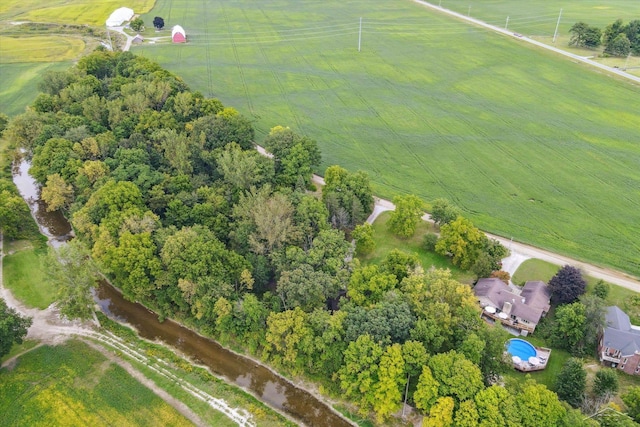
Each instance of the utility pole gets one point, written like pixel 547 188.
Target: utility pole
pixel 360 35
pixel 440 4
pixel 109 35
pixel 469 11
pixel 626 62
pixel 506 23
pixel 555 34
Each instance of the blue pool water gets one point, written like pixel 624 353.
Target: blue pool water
pixel 520 348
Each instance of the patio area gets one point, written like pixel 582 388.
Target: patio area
pixel 533 363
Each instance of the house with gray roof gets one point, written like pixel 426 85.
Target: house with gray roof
pixel 619 346
pixel 517 309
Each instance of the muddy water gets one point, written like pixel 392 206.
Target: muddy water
pixel 52 224
pixel 264 384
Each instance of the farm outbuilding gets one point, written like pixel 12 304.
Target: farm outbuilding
pixel 178 35
pixel 120 16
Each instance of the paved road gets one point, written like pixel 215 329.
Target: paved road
pixel 521 252
pixel 579 58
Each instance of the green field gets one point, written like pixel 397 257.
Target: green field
pixel 539 17
pixel 72 384
pixel 19 84
pixel 529 144
pixel 387 241
pixel 39 49
pixel 25 276
pixel 67 11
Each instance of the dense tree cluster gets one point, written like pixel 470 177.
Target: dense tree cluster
pixel 619 39
pixel 173 203
pixel 13 328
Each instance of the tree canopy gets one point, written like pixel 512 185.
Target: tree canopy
pixel 567 285
pixel 13 328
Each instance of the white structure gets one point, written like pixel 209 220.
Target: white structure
pixel 178 35
pixel 120 16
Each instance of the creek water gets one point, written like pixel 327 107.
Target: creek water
pixel 264 384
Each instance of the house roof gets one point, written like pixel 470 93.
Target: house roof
pixel 619 334
pixel 616 318
pixel 536 294
pixel 497 292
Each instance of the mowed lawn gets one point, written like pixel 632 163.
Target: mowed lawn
pixel 67 11
pixel 386 241
pixel 529 144
pixel 72 384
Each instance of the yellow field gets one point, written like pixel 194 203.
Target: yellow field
pixel 39 49
pixel 68 11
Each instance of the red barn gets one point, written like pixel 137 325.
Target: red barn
pixel 178 35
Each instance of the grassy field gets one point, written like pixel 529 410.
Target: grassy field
pixel 539 17
pixel 72 384
pixel 39 49
pixel 387 241
pixel 19 84
pixel 24 275
pixel 530 145
pixel 67 11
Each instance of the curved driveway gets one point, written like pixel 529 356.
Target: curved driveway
pixel 521 251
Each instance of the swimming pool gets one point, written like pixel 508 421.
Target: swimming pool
pixel 521 348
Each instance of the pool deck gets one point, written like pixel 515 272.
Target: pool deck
pixel 542 353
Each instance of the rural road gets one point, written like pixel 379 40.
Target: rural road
pixel 521 252
pixel 531 41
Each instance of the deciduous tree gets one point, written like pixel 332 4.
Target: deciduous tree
pixel 567 285
pixel 363 235
pixel 73 273
pixel 443 212
pixel 405 218
pixel 56 193
pixel 441 413
pixel 569 327
pixel 359 373
pixel 458 377
pixel 387 393
pixel 158 23
pixel 571 382
pixel 13 328
pixel 605 383
pixel 462 241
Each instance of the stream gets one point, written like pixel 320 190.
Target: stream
pixel 264 384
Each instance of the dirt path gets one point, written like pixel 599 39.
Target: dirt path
pixel 50 328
